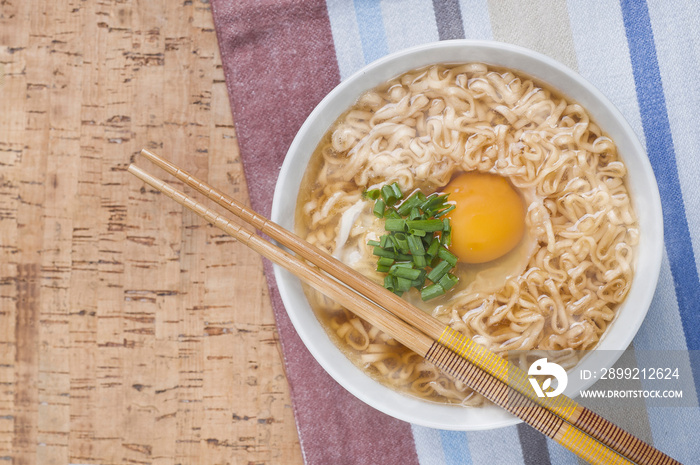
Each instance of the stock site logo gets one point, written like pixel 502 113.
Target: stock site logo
pixel 544 368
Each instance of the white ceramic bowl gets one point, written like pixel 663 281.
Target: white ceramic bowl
pixel 641 183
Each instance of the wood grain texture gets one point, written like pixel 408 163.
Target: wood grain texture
pixel 130 331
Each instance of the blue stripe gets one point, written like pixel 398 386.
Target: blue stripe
pixel 657 131
pixel 369 21
pixel 455 447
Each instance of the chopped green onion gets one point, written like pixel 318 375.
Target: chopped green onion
pixel 447 256
pixel 404 272
pixel 373 243
pixel 403 284
pixel 387 194
pixel 415 245
pixel 439 271
pixel 385 261
pixel 420 281
pixel 430 292
pixel 409 204
pixel 431 201
pixel 401 242
pixel 397 190
pixel 446 211
pixel 373 194
pixel 448 281
pixel 392 214
pixel 379 208
pixel 395 224
pixel 385 241
pixel 381 252
pixel 389 282
pixel 391 194
pixel 446 225
pixel 425 225
pixel 446 239
pixel 420 261
pixel 433 249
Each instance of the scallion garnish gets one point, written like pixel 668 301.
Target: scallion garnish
pixel 395 224
pixel 379 208
pixel 414 249
pixel 426 225
pixel 439 271
pixel 430 292
pixel 373 194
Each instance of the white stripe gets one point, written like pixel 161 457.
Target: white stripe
pixel 497 446
pixel 603 54
pixel 428 445
pixel 475 19
pixel 408 23
pixel 346 36
pixel 676 27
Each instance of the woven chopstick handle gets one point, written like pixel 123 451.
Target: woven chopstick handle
pixel 627 444
pixel 519 405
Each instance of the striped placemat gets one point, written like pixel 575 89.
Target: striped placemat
pixel 281 57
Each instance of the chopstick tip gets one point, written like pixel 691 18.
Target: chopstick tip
pixel 133 169
pixel 147 153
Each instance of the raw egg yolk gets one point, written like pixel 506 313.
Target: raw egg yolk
pixel 489 216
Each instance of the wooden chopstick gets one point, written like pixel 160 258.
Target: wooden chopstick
pixel 486 361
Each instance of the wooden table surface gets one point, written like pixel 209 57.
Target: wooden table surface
pixel 130 332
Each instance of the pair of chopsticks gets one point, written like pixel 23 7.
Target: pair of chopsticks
pixel 575 427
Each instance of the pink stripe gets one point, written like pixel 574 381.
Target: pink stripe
pixel 279 62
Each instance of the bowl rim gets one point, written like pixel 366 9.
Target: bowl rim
pixel 404 407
